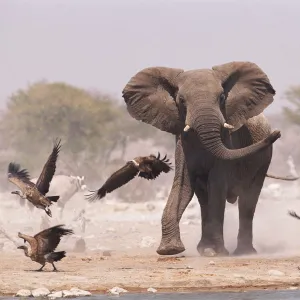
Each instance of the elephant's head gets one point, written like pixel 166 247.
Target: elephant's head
pixel 203 100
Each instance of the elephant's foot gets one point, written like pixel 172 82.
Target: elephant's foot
pixel 174 246
pixel 209 250
pixel 244 250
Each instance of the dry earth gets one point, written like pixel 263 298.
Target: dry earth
pixel 139 271
pixel 131 233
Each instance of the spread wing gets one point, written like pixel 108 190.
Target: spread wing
pixel 16 175
pixel 29 239
pixel 116 180
pixel 49 239
pixel 43 182
pixel 156 166
pixel 294 215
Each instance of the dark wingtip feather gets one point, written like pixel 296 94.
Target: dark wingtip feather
pixel 62 231
pixel 57 144
pixel 95 195
pixel 166 162
pixel 15 170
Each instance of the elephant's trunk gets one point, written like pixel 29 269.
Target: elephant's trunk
pixel 208 125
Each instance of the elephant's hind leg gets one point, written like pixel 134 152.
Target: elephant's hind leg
pixel 206 246
pixel 247 204
pixel 212 241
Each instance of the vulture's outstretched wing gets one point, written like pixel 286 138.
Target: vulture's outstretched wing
pixel 43 182
pixel 49 239
pixel 116 180
pixel 18 176
pixel 157 165
pixel 294 215
pixel 29 239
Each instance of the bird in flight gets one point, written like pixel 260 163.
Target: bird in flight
pixel 148 167
pixel 36 193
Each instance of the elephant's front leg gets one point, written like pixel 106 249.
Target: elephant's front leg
pixel 212 242
pixel 181 194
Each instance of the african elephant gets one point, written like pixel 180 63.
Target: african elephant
pixel 223 144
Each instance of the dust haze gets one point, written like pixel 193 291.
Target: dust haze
pixel 98 46
pixel 129 218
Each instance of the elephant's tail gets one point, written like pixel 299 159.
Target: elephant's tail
pixel 288 178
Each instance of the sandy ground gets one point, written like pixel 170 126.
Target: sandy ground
pixel 131 233
pixel 140 271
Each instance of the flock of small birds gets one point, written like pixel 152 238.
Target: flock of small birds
pixel 42 245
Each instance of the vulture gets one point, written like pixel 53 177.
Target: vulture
pixel 294 215
pixel 43 244
pixel 36 193
pixel 148 167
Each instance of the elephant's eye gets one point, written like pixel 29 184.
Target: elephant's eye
pixel 222 100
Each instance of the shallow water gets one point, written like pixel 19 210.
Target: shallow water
pixel 253 295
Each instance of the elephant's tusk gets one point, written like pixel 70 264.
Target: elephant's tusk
pixel 186 128
pixel 228 126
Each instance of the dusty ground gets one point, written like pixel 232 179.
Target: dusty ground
pixel 132 233
pixel 138 272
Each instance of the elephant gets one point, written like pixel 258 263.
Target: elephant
pixel 223 146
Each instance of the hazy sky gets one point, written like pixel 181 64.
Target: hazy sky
pixel 101 44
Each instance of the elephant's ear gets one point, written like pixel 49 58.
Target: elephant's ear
pixel 150 98
pixel 248 91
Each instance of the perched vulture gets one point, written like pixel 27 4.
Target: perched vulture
pixel 294 215
pixel 35 193
pixel 43 244
pixel 148 167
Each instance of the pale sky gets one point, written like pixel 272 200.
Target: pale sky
pixel 101 44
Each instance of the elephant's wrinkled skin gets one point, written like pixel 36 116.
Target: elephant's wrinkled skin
pixel 223 153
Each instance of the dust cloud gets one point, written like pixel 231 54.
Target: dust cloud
pixel 129 219
pixel 118 225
